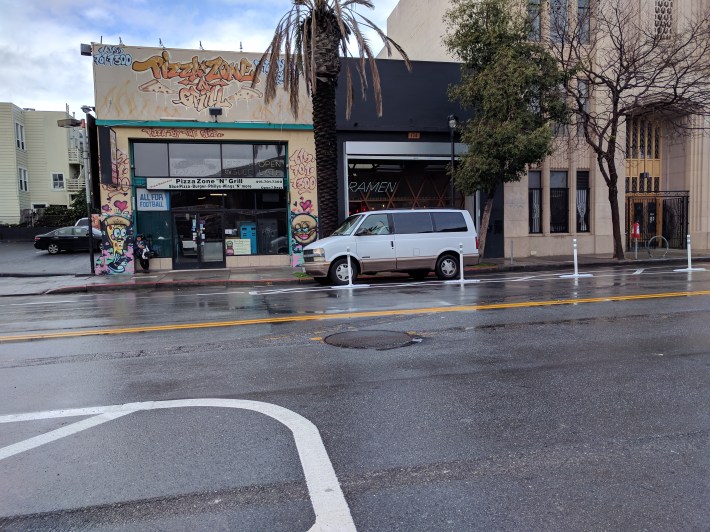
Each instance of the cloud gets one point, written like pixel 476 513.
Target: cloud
pixel 42 67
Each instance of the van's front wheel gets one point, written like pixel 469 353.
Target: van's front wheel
pixel 339 274
pixel 447 267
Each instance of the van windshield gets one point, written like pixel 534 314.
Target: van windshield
pixel 348 225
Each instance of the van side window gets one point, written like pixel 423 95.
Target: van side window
pixel 412 223
pixel 449 222
pixel 375 224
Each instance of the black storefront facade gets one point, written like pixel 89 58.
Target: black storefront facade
pixel 401 160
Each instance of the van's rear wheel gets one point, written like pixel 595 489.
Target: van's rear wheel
pixel 447 267
pixel 339 274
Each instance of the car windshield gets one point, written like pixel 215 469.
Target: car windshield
pixel 348 225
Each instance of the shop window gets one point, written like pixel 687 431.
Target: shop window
pixel 270 160
pixel 238 160
pixel 559 202
pixel 151 159
pixel 195 160
pixel 535 201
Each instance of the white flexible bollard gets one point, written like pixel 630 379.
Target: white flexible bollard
pixel 350 269
pixel 576 274
pixel 461 261
pixel 461 279
pixel 690 265
pixel 350 284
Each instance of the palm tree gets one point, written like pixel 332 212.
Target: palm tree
pixel 312 34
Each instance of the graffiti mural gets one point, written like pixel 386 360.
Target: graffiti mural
pixel 143 83
pixel 304 219
pixel 202 83
pixel 116 225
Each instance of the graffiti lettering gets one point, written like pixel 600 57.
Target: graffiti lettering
pixel 174 132
pixel 302 164
pixel 210 133
pixel 208 69
pixel 280 66
pixel 112 56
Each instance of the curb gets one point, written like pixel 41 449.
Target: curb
pixel 471 270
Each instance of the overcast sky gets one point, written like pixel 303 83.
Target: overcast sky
pixel 40 63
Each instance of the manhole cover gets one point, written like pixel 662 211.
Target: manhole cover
pixel 371 339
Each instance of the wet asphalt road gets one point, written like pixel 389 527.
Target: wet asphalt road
pixel 572 417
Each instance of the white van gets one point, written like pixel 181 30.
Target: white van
pixel 412 241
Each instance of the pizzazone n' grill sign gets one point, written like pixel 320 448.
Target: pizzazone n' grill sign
pixel 210 183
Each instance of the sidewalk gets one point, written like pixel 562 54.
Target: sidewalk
pixel 23 285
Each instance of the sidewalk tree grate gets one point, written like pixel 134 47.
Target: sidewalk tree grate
pixel 370 339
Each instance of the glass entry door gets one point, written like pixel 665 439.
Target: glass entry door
pixel 198 240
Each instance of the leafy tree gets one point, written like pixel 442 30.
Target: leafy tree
pixel 313 34
pixel 512 85
pixel 61 215
pixel 625 61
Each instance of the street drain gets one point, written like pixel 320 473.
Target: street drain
pixel 371 339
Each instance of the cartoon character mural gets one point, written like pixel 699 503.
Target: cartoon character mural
pixel 116 222
pixel 304 217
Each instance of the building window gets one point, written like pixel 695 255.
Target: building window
pixel 57 181
pixel 664 18
pixel 583 201
pixel 22 181
pixel 583 15
pixel 559 202
pixel 558 20
pixel 535 201
pixel 534 19
pixel 583 94
pixel 19 136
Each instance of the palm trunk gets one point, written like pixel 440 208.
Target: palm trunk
pixel 326 157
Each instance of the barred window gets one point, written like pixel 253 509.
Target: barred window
pixel 535 201
pixel 534 18
pixel 559 202
pixel 582 201
pixel 558 20
pixel 664 17
pixel 583 14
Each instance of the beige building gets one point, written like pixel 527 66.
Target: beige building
pixel 40 163
pixel 667 182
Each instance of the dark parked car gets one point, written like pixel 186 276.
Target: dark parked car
pixel 74 238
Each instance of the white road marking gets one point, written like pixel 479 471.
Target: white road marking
pixel 219 294
pixel 41 303
pixel 329 505
pixel 638 272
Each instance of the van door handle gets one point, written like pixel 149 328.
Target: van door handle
pixel 392 243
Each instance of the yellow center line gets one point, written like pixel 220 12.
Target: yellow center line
pixel 344 315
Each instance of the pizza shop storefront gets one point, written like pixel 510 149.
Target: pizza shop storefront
pixel 212 204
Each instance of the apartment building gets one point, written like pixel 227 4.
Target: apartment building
pixel 41 164
pixel 666 188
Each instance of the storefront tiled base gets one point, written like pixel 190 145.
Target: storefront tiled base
pixel 250 261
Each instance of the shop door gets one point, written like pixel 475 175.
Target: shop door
pixel 197 240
